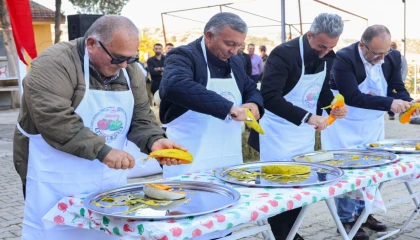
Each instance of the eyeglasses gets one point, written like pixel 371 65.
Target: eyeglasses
pixel 375 55
pixel 120 59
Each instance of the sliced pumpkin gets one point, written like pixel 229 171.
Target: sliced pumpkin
pixel 337 102
pixel 406 116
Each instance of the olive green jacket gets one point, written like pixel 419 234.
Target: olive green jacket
pixel 53 89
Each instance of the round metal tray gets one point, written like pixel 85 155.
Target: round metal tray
pixel 405 146
pixel 320 174
pixel 201 198
pixel 353 158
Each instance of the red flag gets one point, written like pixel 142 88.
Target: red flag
pixel 23 31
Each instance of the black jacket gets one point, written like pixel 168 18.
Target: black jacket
pixel 184 81
pixel 281 74
pixel 153 63
pixel 348 72
pixel 247 63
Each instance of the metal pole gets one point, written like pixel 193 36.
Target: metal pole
pixel 300 19
pixel 220 8
pixel 163 28
pixel 283 21
pixel 405 40
pixel 415 79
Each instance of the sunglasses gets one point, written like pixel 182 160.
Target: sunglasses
pixel 120 59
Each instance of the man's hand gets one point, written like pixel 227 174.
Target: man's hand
pixel 340 112
pixel 164 143
pixel 399 106
pixel 254 109
pixel 238 113
pixel 319 122
pixel 118 159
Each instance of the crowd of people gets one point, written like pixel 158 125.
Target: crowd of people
pixel 85 98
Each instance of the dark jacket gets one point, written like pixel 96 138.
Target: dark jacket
pixel 247 63
pixel 153 63
pixel 184 81
pixel 348 72
pixel 282 72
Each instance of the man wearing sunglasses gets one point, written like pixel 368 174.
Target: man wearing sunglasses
pixel 368 75
pixel 82 101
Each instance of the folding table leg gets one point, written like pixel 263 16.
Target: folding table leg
pixel 261 223
pixel 298 222
pixel 269 232
pixel 416 210
pixel 333 211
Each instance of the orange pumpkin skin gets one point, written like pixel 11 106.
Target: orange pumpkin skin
pixel 406 116
pixel 337 102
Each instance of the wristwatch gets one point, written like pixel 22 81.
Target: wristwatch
pixel 307 118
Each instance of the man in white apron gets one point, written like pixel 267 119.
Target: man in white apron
pixel 295 81
pixel 78 108
pixel 205 92
pixel 368 75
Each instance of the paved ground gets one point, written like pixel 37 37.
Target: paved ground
pixel 318 225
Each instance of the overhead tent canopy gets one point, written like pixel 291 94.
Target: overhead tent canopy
pixel 264 18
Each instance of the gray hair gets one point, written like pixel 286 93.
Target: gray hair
pixel 330 24
pixel 223 19
pixel 374 31
pixel 104 28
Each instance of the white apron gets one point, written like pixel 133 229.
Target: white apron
pixel 53 174
pixel 360 125
pixel 282 139
pixel 214 143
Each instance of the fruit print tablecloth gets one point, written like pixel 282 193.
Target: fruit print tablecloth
pixel 255 204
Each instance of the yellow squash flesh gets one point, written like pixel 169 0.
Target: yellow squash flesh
pixel 184 156
pixel 253 124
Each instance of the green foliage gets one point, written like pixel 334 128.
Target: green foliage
pixel 99 6
pixel 146 46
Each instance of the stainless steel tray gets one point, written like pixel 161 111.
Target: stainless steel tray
pixel 353 158
pixel 320 174
pixel 201 198
pixel 405 146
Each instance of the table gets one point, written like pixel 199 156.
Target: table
pixel 255 205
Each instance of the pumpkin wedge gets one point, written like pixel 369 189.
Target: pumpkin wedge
pixel 406 116
pixel 337 102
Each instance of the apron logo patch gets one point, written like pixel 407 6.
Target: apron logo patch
pixel 310 98
pixel 109 123
pixel 228 96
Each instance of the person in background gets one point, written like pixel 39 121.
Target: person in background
pixel 155 65
pixel 246 59
pixel 263 53
pixel 168 47
pixel 256 62
pixel 264 56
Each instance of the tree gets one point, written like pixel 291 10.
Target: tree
pixel 99 6
pixel 146 47
pixel 57 22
